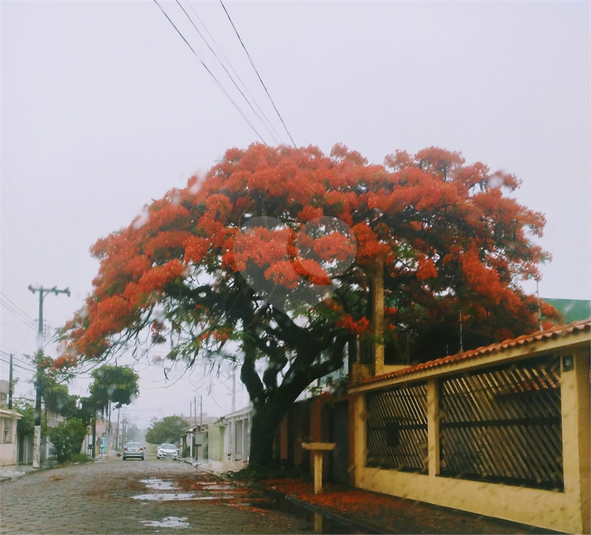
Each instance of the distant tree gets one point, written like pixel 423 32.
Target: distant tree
pixel 133 432
pixel 169 429
pixel 116 384
pixel 229 262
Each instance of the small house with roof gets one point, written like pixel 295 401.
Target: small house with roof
pixel 8 438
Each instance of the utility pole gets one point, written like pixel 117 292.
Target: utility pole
pixel 93 455
pixel 117 439
pixel 37 435
pixel 10 384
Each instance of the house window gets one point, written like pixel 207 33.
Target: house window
pixel 6 431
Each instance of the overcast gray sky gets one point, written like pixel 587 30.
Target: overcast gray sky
pixel 104 107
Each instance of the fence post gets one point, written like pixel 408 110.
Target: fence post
pixel 357 439
pixel 433 426
pixel 574 390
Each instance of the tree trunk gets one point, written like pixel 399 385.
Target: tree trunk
pixel 265 422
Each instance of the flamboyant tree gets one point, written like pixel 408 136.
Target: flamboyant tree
pixel 269 261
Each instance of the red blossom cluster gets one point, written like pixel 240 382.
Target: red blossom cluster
pixel 437 225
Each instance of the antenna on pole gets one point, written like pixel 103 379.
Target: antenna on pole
pixel 539 307
pixel 461 334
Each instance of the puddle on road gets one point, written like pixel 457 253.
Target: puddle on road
pixel 182 496
pixel 167 522
pixel 163 486
pixel 320 523
pixel 217 487
pixel 158 484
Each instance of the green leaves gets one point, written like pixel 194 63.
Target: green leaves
pixel 169 429
pixel 116 384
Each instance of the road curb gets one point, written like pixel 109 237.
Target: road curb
pixel 7 478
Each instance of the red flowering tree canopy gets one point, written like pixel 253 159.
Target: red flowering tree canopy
pixel 273 252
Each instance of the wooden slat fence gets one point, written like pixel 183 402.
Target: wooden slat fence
pixel 397 428
pixel 504 424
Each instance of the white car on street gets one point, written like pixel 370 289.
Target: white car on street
pixel 166 450
pixel 133 450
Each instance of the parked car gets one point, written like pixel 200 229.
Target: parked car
pixel 133 450
pixel 166 450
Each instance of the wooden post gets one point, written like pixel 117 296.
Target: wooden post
pixel 433 426
pixel 317 456
pixel 317 448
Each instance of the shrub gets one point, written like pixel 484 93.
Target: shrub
pixel 67 437
pixel 80 458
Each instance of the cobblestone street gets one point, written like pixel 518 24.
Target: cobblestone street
pixel 135 497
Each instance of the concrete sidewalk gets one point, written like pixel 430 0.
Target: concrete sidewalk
pixel 12 472
pixel 370 512
pixel 8 473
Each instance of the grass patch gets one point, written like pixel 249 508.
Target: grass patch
pixel 79 458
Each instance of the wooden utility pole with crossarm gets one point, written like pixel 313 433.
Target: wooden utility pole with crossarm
pixel 37 435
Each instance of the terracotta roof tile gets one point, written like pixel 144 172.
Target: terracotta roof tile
pixel 552 332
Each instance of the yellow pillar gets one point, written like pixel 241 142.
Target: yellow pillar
pixel 433 426
pixel 359 438
pixel 584 396
pixel 574 392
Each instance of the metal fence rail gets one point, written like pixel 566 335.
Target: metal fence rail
pixel 397 428
pixel 504 424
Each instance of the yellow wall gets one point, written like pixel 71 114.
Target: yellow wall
pixel 584 441
pixel 566 511
pixel 552 510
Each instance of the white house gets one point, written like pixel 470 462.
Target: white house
pixel 8 442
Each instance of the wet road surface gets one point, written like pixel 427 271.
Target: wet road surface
pixel 136 496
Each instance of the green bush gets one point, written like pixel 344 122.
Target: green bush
pixel 67 438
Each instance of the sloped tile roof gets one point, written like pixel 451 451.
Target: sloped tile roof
pixel 553 332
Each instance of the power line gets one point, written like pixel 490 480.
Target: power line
pixel 210 73
pixel 231 67
pixel 257 72
pixel 11 309
pixel 17 365
pixel 231 77
pixel 7 354
pixel 14 304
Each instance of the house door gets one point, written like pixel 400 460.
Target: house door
pixel 339 433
